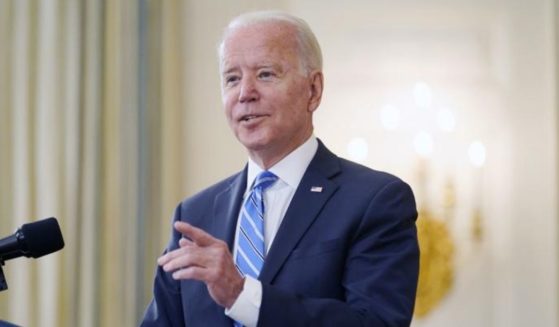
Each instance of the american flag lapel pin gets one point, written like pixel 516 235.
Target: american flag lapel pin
pixel 316 189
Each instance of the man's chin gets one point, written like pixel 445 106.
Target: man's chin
pixel 254 145
pixel 253 139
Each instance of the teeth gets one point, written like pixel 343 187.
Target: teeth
pixel 247 118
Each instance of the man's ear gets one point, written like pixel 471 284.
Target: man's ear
pixel 315 90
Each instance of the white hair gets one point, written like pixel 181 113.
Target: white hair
pixel 309 49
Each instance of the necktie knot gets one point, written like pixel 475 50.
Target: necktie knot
pixel 264 180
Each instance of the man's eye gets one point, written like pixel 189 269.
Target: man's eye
pixel 266 74
pixel 231 79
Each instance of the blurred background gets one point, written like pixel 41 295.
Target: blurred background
pixel 110 114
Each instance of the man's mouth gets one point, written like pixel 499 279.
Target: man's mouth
pixel 247 118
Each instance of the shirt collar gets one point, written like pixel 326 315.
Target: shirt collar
pixel 289 169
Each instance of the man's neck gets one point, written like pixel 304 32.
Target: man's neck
pixel 269 157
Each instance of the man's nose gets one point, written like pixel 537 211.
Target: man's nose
pixel 248 91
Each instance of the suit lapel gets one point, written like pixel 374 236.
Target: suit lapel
pixel 226 209
pixel 303 210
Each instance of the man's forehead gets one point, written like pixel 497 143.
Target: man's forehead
pixel 267 26
pixel 245 44
pixel 264 33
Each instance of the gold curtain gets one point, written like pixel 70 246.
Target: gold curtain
pixel 90 114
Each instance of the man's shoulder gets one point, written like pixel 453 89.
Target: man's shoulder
pixel 346 171
pixel 357 179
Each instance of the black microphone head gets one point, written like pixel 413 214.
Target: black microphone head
pixel 42 237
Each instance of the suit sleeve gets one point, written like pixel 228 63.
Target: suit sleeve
pixel 165 309
pixel 380 276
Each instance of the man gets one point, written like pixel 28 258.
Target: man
pixel 300 237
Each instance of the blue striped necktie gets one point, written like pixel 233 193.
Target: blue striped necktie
pixel 250 240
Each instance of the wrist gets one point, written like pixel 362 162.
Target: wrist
pixel 237 289
pixel 246 308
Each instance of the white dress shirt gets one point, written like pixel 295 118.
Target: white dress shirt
pixel 290 171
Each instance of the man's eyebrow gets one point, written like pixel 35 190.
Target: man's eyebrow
pixel 275 67
pixel 229 71
pixel 268 65
pixel 259 66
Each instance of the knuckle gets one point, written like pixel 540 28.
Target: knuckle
pixel 222 245
pixel 220 248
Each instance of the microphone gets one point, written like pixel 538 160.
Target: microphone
pixel 32 240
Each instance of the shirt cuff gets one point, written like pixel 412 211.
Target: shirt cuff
pixel 246 308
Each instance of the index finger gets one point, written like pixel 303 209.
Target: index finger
pixel 197 235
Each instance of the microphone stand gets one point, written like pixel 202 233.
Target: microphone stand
pixel 3 287
pixel 3 283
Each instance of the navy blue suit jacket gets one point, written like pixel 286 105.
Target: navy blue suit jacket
pixel 345 256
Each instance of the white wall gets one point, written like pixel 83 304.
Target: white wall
pixel 492 63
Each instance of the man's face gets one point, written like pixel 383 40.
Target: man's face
pixel 268 99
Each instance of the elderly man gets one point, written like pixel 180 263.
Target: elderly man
pixel 299 237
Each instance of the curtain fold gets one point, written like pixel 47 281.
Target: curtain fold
pixel 90 113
